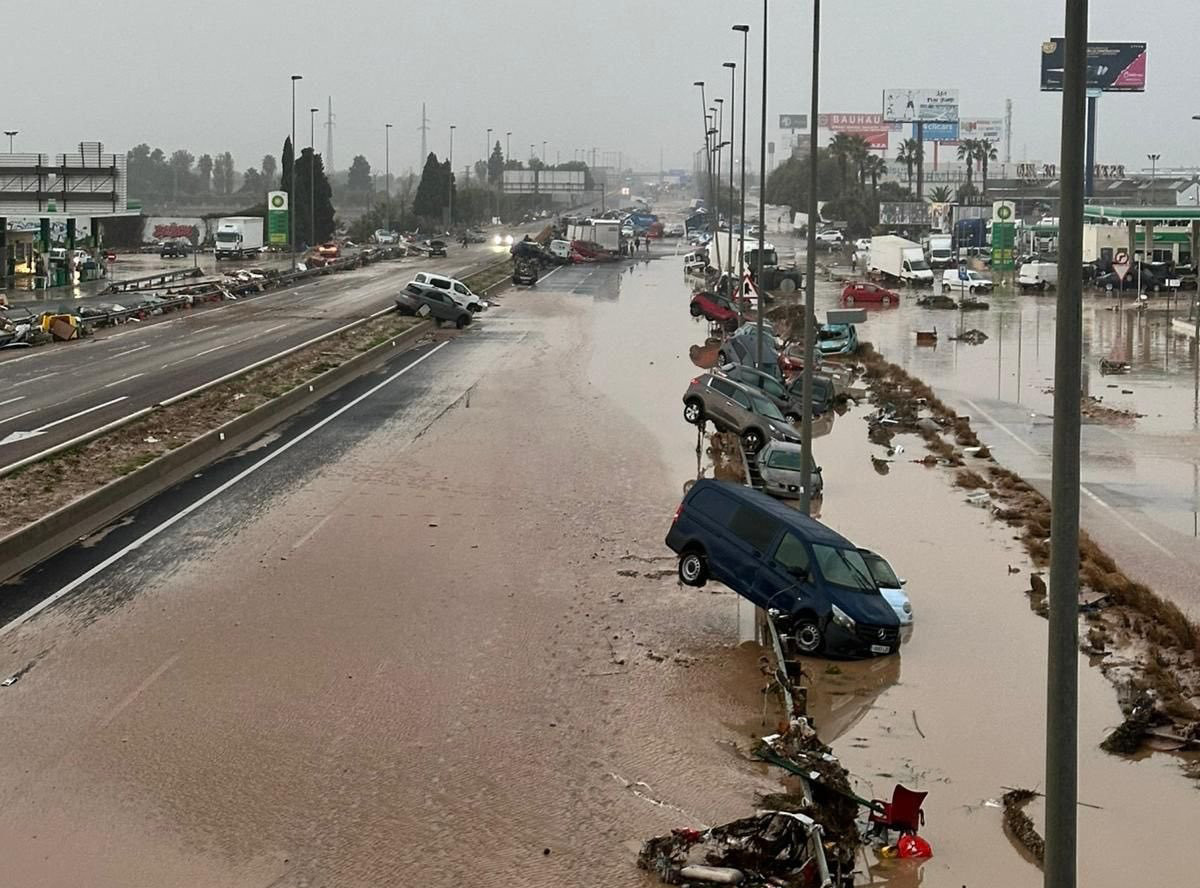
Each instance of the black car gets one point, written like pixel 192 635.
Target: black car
pixel 783 561
pixel 425 301
pixel 174 250
pixel 525 272
pixel 436 247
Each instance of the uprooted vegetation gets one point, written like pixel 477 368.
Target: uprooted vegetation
pixel 42 487
pixel 1145 644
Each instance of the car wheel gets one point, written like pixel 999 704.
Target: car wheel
pixel 693 569
pixel 693 411
pixel 971 290
pixel 752 440
pixel 849 300
pixel 722 358
pixel 695 310
pixel 885 300
pixel 808 636
pixel 462 321
pixel 793 418
pixel 787 285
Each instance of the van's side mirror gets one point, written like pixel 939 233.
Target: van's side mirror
pixel 903 582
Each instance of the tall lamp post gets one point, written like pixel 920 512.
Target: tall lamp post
pixel 732 66
pixel 450 183
pixel 387 175
pixel 1153 158
pixel 810 277
pixel 762 197
pixel 292 180
pixel 10 134
pixel 745 29
pixel 312 175
pixel 487 157
pixel 507 146
pixel 709 132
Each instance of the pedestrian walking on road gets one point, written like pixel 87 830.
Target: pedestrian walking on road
pixel 637 244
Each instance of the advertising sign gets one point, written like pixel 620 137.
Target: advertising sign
pixel 793 121
pixel 1004 237
pixel 990 128
pixel 938 132
pixel 1003 211
pixel 277 217
pixel 872 127
pixel 909 212
pixel 1111 67
pixel 543 181
pixel 905 105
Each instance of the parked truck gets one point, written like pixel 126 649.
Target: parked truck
pixel 239 236
pixel 941 250
pixel 899 259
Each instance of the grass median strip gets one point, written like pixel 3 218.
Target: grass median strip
pixel 38 489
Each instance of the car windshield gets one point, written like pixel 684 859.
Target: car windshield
pixel 844 567
pixel 881 571
pixel 766 408
pixel 826 333
pixel 918 264
pixel 223 236
pixel 785 459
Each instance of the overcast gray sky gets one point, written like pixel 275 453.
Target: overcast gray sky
pixel 617 75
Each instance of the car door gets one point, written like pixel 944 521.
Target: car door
pixel 752 535
pixel 465 295
pixel 719 404
pixel 784 578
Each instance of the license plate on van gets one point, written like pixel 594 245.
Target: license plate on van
pixel 880 649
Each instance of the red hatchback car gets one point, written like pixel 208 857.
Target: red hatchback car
pixel 715 307
pixel 865 291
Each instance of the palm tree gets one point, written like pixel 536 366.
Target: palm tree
pixel 966 151
pixel 941 194
pixel 859 150
pixel 874 166
pixel 984 151
pixel 909 154
pixel 839 149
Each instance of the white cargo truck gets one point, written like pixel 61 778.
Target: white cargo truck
pixel 941 251
pixel 899 259
pixel 239 236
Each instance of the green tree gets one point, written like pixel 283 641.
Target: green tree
pixel 909 154
pixel 204 169
pixel 181 171
pixel 496 165
pixel 859 152
pixel 285 177
pixel 840 148
pixel 874 166
pixel 481 171
pixel 313 209
pixel 358 178
pixel 227 174
pixel 984 151
pixel 967 149
pixel 269 168
pixel 967 193
pixel 218 170
pixel 941 194
pixel 252 183
pixel 434 191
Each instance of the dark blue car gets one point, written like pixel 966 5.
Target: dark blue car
pixel 779 559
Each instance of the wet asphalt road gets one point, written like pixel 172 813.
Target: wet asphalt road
pixel 52 394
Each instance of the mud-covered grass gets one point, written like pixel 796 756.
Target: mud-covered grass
pixel 30 493
pixel 1147 644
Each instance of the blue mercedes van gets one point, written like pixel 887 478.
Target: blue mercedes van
pixel 779 559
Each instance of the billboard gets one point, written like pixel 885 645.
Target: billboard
pixel 793 121
pixel 990 128
pixel 86 182
pixel 906 212
pixel 871 127
pixel 905 105
pixel 543 181
pixel 277 217
pixel 1111 67
pixel 938 132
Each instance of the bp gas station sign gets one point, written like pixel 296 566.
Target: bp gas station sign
pixel 277 218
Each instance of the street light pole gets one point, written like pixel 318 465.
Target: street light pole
pixel 450 183
pixel 745 29
pixel 732 66
pixel 387 176
pixel 292 180
pixel 1153 158
pixel 10 134
pixel 718 110
pixel 312 174
pixel 507 146
pixel 762 196
pixel 709 132
pixel 810 278
pixel 1062 679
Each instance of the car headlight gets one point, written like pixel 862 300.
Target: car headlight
pixel 908 607
pixel 496 239
pixel 842 618
pixel 508 239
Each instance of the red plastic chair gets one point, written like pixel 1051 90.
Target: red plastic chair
pixel 902 813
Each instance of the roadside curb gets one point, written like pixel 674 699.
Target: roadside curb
pixel 34 543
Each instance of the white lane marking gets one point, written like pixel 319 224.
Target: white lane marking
pixel 36 378
pixel 208 497
pixel 209 351
pixel 126 379
pixel 273 329
pixel 129 351
pixel 209 327
pixel 1127 522
pixel 312 533
pixel 13 400
pixel 58 422
pixel 138 691
pixel 1000 426
pixel 18 416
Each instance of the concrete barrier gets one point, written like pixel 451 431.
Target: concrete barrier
pixel 34 543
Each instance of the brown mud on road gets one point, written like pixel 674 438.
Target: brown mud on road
pixel 426 662
pixel 961 712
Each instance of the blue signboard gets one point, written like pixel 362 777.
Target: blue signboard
pixel 936 131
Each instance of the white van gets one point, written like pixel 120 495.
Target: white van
pixel 560 248
pixel 1038 276
pixel 974 283
pixel 457 290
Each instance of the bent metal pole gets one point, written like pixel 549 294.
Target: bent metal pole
pixel 1062 679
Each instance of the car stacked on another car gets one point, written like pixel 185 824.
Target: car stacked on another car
pixel 736 407
pixel 714 307
pixel 425 300
pixel 455 289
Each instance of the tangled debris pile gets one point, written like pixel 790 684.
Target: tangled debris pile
pixel 1018 825
pixel 1095 410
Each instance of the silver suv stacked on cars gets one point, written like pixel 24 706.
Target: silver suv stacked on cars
pixel 734 407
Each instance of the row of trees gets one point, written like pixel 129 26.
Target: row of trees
pixel 153 175
pixel 974 151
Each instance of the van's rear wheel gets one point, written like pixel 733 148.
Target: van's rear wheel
pixel 806 632
pixel 693 569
